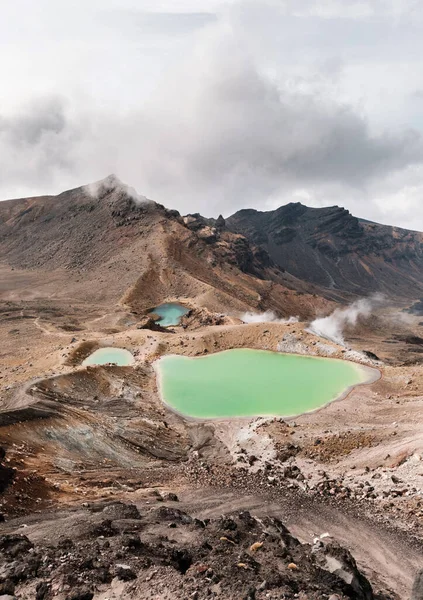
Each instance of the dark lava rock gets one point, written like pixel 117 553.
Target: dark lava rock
pixel 417 592
pixel 230 248
pixel 7 587
pixel 370 355
pixel 286 452
pixel 237 552
pixel 80 594
pixel 132 542
pixel 43 591
pixel 125 572
pixel 15 545
pixel 7 474
pixel 413 340
pixel 150 322
pixel 291 472
pixel 165 513
pixel 65 544
pixel 228 524
pixel 220 222
pixel 416 308
pixel 120 510
pixel 339 562
pixel 170 497
pixel 105 529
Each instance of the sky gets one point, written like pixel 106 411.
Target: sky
pixel 217 105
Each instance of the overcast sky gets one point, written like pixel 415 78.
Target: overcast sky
pixel 216 105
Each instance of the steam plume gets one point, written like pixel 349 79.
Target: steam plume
pixel 266 317
pixel 113 183
pixel 333 326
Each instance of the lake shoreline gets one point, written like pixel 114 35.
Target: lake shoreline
pixel 368 374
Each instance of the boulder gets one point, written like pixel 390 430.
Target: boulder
pixel 149 322
pixel 121 510
pixel 7 588
pixel 7 474
pixel 338 561
pixel 81 594
pixel 125 572
pixel 43 590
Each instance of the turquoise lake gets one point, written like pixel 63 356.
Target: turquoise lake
pixel 246 383
pixel 170 313
pixel 104 356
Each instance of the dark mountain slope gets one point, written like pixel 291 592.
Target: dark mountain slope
pixel 332 249
pixel 106 245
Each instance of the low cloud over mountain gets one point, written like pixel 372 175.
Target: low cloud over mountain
pixel 215 120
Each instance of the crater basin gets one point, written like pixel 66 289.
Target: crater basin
pixel 247 383
pixel 104 356
pixel 170 313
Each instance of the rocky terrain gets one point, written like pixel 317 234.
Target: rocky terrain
pixel 331 248
pixel 115 549
pixel 107 493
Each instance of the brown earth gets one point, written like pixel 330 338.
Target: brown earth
pixel 73 434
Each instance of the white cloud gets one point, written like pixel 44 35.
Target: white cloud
pixel 240 104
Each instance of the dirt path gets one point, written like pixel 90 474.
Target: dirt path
pixel 47 331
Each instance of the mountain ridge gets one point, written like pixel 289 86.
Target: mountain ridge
pixel 324 251
pixel 140 252
pixel 331 248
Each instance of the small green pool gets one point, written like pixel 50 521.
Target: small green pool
pixel 170 313
pixel 104 356
pixel 246 383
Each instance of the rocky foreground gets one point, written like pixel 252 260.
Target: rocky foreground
pixel 116 550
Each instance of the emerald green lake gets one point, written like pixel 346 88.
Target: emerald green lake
pixel 104 356
pixel 170 313
pixel 245 383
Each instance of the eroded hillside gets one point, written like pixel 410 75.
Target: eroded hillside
pixel 330 248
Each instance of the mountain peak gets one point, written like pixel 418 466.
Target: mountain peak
pixel 110 184
pixel 111 180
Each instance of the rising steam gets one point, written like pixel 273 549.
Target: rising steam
pixel 333 326
pixel 114 184
pixel 266 317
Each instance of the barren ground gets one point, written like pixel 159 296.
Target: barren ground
pixel 353 469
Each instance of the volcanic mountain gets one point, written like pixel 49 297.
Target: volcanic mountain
pixel 334 250
pixel 106 244
pixel 111 245
pixel 92 461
